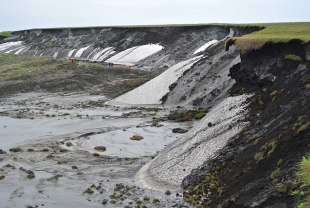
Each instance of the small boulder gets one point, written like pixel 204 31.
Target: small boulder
pixel 69 144
pixel 75 167
pixel 179 131
pixel 136 138
pixel 96 154
pixel 2 152
pixel 100 148
pixel 16 149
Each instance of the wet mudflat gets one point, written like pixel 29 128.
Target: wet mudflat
pixel 52 157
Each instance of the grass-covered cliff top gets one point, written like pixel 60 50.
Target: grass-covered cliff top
pixel 6 34
pixel 269 33
pixel 272 33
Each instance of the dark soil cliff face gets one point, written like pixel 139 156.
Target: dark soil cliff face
pixel 257 167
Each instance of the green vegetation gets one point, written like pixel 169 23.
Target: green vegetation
pixel 14 66
pixel 186 115
pixel 272 33
pixel 302 124
pixel 275 173
pixel 6 34
pixel 293 57
pixel 303 176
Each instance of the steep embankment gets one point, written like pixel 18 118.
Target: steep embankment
pixel 243 152
pixel 145 47
pixel 257 166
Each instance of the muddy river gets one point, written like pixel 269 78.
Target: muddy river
pixel 51 151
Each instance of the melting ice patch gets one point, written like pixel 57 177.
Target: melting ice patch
pixel 20 50
pixel 80 52
pixel 55 55
pixel 135 54
pixel 103 53
pixel 205 46
pixel 71 52
pixel 8 45
pixel 152 91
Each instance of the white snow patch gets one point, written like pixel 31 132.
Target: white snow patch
pixel 80 52
pixel 152 91
pixel 135 54
pixel 20 50
pixel 55 55
pixel 14 49
pixel 103 53
pixel 71 52
pixel 205 46
pixel 8 45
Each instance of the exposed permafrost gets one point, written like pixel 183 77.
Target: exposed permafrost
pixel 153 91
pixel 8 45
pixel 80 51
pixel 205 46
pixel 202 142
pixel 135 54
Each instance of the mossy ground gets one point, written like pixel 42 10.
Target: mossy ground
pixel 6 34
pixel 272 33
pixel 186 115
pixel 28 73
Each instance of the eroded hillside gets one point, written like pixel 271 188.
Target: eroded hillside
pixel 253 104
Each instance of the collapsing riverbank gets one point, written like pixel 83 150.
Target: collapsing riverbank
pixel 243 152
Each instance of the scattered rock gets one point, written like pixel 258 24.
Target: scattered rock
pixel 96 155
pixel 100 148
pixel 16 149
pixel 168 192
pixel 104 201
pixel 2 152
pixel 136 138
pixel 89 191
pixel 29 172
pixel 45 150
pixel 179 131
pixel 30 150
pixel 69 144
pixel 63 150
pixel 2 177
pixel 75 167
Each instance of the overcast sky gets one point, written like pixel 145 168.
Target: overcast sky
pixel 27 14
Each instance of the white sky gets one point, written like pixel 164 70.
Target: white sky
pixel 27 14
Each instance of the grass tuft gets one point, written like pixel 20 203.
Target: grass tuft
pixel 293 57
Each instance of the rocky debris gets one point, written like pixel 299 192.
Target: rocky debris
pixel 9 166
pixel 179 131
pixel 30 150
pixel 96 155
pixel 2 152
pixel 75 167
pixel 69 144
pixel 2 177
pixel 16 149
pixel 29 172
pixel 136 138
pixel 100 148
